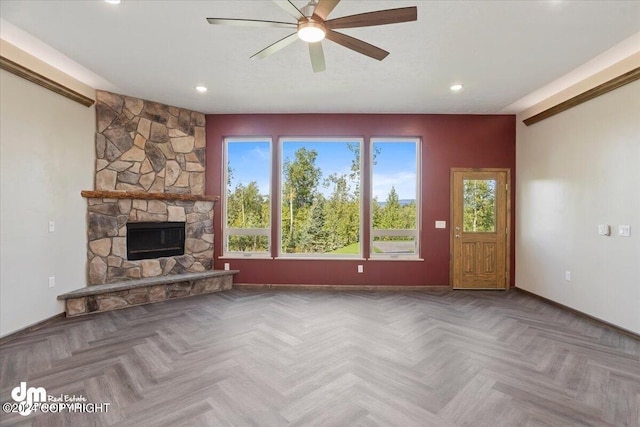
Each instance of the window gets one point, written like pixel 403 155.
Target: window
pixel 395 199
pixel 320 198
pixel 247 203
pixel 479 206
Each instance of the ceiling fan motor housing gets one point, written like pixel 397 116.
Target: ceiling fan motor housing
pixel 309 9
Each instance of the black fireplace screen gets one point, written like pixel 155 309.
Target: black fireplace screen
pixel 147 240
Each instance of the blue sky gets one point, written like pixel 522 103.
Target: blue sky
pixel 250 161
pixel 395 164
pixel 333 158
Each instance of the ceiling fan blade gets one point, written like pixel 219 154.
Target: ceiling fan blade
pixel 290 8
pixel 317 57
pixel 324 8
pixel 271 49
pixel 380 17
pixel 250 23
pixel 357 45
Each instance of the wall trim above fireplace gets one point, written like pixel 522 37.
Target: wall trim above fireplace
pixel 47 83
pixel 88 194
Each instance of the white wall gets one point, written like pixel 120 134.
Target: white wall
pixel 47 157
pixel 574 171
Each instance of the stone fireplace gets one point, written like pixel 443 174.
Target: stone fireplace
pixel 150 164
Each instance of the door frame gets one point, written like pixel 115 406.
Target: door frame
pixel 508 222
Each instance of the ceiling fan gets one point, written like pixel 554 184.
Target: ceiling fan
pixel 313 26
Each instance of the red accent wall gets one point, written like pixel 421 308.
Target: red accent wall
pixel 473 141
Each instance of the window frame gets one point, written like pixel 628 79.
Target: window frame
pixel 316 256
pixel 415 233
pixel 228 231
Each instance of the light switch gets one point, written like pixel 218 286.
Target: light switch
pixel 441 224
pixel 52 226
pixel 624 230
pixel 604 230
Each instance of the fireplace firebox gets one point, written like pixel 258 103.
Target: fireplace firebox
pixel 147 240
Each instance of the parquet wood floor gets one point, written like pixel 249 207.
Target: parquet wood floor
pixel 307 358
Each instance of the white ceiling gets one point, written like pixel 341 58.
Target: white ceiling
pixel 159 50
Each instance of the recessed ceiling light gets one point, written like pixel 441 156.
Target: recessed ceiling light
pixel 113 1
pixel 201 89
pixel 456 87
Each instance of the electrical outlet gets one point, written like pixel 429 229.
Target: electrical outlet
pixel 52 281
pixel 624 230
pixel 227 266
pixel 567 276
pixel 360 268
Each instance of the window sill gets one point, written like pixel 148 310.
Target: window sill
pixel 318 258
pixel 247 256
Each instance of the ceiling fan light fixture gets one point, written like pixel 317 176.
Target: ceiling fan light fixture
pixel 310 31
pixel 313 26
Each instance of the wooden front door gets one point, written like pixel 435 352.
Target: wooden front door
pixel 480 204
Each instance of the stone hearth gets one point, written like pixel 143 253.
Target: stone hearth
pixel 95 299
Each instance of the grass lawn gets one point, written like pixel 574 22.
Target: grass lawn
pixel 352 249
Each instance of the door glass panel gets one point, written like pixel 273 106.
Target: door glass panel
pixel 479 205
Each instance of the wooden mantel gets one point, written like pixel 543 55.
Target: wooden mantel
pixel 146 196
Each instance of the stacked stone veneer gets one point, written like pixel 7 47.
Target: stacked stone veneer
pixel 108 238
pixel 146 147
